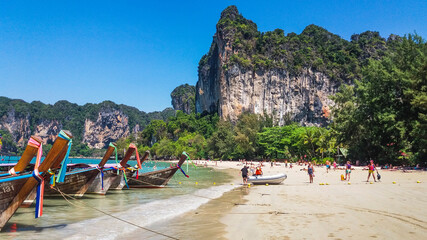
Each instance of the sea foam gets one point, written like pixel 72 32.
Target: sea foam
pixel 143 215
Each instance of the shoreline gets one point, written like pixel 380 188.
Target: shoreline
pixel 297 209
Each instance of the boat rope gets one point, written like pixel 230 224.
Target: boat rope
pixel 63 170
pixel 66 196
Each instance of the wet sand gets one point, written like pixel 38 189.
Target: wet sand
pixel 297 209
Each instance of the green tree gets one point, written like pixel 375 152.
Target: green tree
pixel 221 144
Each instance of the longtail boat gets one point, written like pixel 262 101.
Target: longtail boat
pixel 155 179
pixel 76 182
pixel 103 180
pixel 109 177
pixel 15 189
pixel 123 171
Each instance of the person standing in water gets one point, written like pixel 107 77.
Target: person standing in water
pixel 371 168
pixel 310 171
pixel 347 171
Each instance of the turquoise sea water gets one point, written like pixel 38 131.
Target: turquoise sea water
pixel 83 218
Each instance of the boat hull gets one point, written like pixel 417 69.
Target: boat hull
pixel 155 179
pixel 118 181
pixel 8 191
pixel 273 179
pixel 108 179
pixel 75 183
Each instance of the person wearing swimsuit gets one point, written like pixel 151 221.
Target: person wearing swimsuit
pixel 347 171
pixel 371 168
pixel 310 171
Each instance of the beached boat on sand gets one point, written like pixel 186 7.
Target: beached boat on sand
pixel 155 179
pixel 272 179
pixel 15 188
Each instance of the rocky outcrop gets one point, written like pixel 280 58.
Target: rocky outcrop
pixel 276 74
pixel 110 126
pixel 272 92
pixel 183 98
pixel 48 130
pixel 18 126
pixel 232 87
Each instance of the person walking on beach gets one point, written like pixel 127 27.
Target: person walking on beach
pixel 335 165
pixel 371 168
pixel 328 166
pixel 244 171
pixel 347 171
pixel 310 171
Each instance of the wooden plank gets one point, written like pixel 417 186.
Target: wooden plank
pixel 29 153
pixel 107 156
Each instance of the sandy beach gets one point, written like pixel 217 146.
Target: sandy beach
pixel 297 209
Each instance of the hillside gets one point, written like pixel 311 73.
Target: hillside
pixel 94 125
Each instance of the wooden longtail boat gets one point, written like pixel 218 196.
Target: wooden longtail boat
pixel 155 179
pixel 8 188
pixel 102 182
pixel 118 178
pixel 78 179
pixel 14 189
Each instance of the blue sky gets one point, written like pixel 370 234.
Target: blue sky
pixel 137 52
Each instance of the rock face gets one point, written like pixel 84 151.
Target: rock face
pixel 48 130
pixel 183 98
pixel 110 125
pixel 273 92
pixel 230 88
pixel 18 126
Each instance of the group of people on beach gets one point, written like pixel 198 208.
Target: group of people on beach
pixel 371 168
pixel 257 171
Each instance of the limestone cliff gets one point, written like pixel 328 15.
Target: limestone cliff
pixel 48 130
pixel 110 126
pixel 183 98
pixel 283 76
pixel 18 126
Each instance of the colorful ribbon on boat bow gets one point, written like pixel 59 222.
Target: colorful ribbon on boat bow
pixel 36 174
pixel 182 171
pixel 63 170
pixel 101 169
pixel 137 158
pixel 188 158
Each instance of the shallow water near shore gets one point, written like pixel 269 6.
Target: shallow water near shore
pixel 119 212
